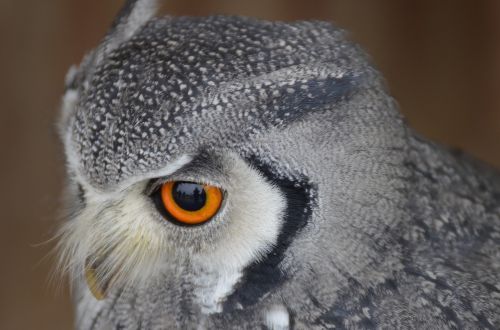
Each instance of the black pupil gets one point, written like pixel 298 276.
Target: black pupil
pixel 189 196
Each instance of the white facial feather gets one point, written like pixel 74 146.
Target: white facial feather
pixel 127 243
pixel 68 104
pixel 122 236
pixel 277 318
pixel 255 211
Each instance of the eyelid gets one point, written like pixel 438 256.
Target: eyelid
pixel 153 186
pixel 156 183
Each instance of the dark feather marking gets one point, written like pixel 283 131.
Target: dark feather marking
pixel 97 317
pixel 442 284
pixel 265 276
pixel 311 95
pixel 111 309
pixel 346 307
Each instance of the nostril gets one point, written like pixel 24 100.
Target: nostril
pixel 80 193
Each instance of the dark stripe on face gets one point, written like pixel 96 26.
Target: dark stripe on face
pixel 264 276
pixel 298 99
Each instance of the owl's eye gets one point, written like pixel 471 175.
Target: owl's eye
pixel 190 203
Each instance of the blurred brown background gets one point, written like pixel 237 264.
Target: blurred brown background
pixel 441 60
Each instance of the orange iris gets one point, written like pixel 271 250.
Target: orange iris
pixel 190 203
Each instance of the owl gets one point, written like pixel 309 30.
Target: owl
pixel 232 173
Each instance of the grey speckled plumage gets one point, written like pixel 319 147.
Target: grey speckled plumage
pixel 378 228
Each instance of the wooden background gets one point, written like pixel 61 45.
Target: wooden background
pixel 441 60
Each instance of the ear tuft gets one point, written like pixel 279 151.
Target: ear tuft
pixel 132 16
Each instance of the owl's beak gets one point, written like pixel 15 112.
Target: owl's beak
pixel 98 286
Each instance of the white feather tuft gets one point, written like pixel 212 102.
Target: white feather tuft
pixel 124 242
pixel 118 240
pixel 277 318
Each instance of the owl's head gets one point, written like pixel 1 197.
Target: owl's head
pixel 218 160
